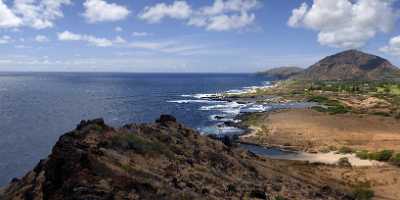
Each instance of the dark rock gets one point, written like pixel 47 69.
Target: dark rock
pixel 276 187
pixel 85 123
pixel 147 161
pixel 326 189
pixel 344 162
pixel 15 180
pixel 230 123
pixel 231 188
pixel 219 117
pixel 165 119
pixel 205 191
pixel 258 194
pixel 227 140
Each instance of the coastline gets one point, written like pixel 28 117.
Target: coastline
pixel 326 135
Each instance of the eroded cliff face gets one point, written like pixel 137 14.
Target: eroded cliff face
pixel 162 160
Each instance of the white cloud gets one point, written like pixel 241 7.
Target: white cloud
pixel 96 41
pixel 5 39
pixel 298 15
pixel 39 14
pixel 177 10
pixel 174 47
pixel 119 40
pixel 100 42
pixel 223 6
pixel 222 15
pixel 345 23
pixel 7 18
pixel 100 11
pixel 118 29
pixel 41 38
pixel 226 15
pixel 140 34
pixel 228 22
pixel 68 36
pixel 393 47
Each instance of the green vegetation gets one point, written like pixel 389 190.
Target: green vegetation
pixel 253 119
pixel 357 87
pixel 140 144
pixel 363 154
pixel 328 105
pixel 279 198
pixel 331 95
pixel 345 150
pixel 362 193
pixel 396 159
pixel 390 88
pixel 383 156
pixel 126 168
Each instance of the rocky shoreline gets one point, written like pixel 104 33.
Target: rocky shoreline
pixel 340 124
pixel 162 160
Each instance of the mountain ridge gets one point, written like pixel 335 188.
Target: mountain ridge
pixel 281 73
pixel 351 65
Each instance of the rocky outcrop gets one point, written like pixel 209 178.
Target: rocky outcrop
pixel 162 160
pixel 351 65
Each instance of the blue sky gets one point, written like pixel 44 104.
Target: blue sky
pixel 191 36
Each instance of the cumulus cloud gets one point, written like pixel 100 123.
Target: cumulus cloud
pixel 101 11
pixel 41 38
pixel 69 36
pixel 393 47
pixel 222 15
pixel 228 22
pixel 345 23
pixel 96 41
pixel 39 14
pixel 177 10
pixel 7 18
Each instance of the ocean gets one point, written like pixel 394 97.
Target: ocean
pixel 37 108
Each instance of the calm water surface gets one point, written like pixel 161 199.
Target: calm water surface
pixel 36 108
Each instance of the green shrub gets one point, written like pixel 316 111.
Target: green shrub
pixel 396 159
pixel 397 116
pixel 384 114
pixel 362 193
pixel 339 109
pixel 318 99
pixel 363 154
pixel 384 155
pixel 345 150
pixel 135 142
pixel 279 198
pixel 319 109
pixel 331 106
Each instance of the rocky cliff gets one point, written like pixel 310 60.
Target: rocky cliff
pixel 162 160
